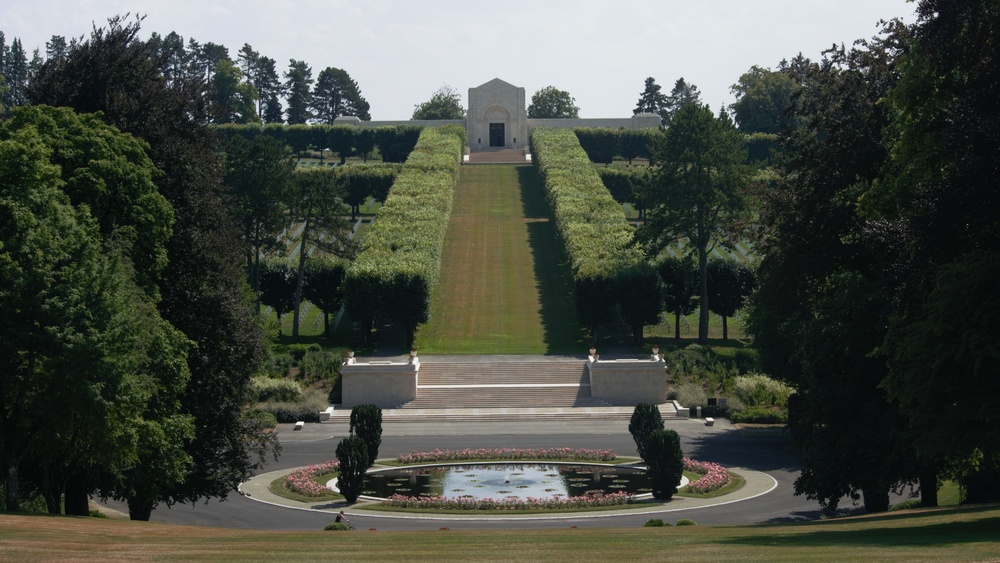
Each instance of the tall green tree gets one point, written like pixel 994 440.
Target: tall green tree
pixel 550 102
pixel 729 284
pixel 336 94
pixel 319 207
pixel 259 173
pixel 63 328
pixel 298 92
pixel 232 99
pixel 15 73
pixel 822 305
pixel 445 103
pixel 680 287
pixel 323 286
pixel 204 289
pixel 277 285
pixel 652 100
pixel 936 210
pixel 701 190
pixel 763 99
pixel 682 94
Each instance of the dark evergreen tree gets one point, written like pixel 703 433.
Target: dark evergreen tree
pixel 352 455
pixel 646 419
pixel 337 94
pixel 366 423
pixel 664 462
pixel 298 91
pixel 652 100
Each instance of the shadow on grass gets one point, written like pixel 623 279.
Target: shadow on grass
pixel 562 330
pixel 911 529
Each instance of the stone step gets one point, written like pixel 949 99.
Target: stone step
pixel 498 156
pixel 503 396
pixel 432 373
pixel 504 414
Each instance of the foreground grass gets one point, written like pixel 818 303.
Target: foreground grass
pixel 950 534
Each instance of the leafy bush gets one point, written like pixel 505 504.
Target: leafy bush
pixel 757 389
pixel 759 415
pixel 261 419
pixel 905 505
pixel 268 389
pixel 655 523
pixel 336 527
pixel 281 364
pixel 686 522
pixel 307 408
pixel 320 365
pixel 297 351
pixel 699 364
pixel 691 395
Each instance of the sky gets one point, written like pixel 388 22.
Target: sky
pixel 401 51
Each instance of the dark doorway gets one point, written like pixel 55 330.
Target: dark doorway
pixel 497 135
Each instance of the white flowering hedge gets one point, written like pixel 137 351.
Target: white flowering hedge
pixel 590 222
pixel 399 260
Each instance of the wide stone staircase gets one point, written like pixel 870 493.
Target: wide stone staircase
pixel 456 390
pixel 503 385
pixel 498 156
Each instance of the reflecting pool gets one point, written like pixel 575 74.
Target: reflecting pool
pixel 501 480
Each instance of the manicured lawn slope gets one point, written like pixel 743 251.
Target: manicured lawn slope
pixel 963 534
pixel 504 286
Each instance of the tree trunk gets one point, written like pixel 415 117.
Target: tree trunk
pixel 77 496
pixel 298 281
pixel 140 509
pixel 677 324
pixel 10 488
pixel 928 487
pixel 50 491
pixel 703 295
pixel 326 324
pixel 725 328
pixel 876 500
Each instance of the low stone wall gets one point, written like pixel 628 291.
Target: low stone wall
pixel 385 384
pixel 628 382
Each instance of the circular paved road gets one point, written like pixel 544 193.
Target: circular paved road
pixel 767 451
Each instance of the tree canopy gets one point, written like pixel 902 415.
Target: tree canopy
pixel 550 102
pixel 445 103
pixel 700 191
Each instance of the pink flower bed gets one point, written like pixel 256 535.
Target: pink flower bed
pixel 713 476
pixel 301 480
pixel 482 454
pixel 508 503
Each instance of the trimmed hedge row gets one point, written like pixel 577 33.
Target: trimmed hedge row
pixel 399 260
pixel 393 141
pixel 602 144
pixel 591 224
